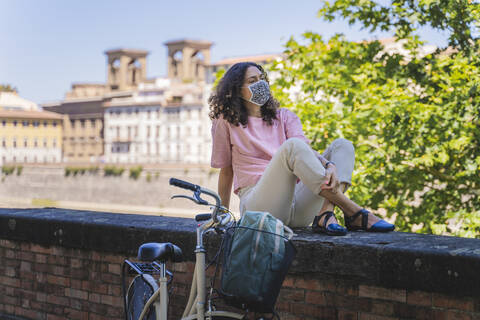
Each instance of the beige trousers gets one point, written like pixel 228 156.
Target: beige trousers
pixel 278 192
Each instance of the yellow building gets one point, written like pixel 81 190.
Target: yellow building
pixel 30 136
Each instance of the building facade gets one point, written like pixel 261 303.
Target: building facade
pixel 152 133
pixel 30 137
pixel 83 128
pixel 131 119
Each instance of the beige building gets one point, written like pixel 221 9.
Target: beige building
pixel 83 128
pixel 83 106
pixel 188 60
pixel 98 117
pixel 165 119
pixel 126 69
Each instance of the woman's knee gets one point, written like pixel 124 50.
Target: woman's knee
pixel 295 143
pixel 342 143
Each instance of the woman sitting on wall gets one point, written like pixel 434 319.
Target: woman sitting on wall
pixel 262 150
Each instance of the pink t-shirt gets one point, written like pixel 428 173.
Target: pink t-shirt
pixel 249 150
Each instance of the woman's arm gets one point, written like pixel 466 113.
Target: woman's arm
pixel 225 180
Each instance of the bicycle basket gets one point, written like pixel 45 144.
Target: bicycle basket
pixel 256 260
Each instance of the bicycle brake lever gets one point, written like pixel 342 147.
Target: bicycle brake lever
pixel 187 197
pixel 200 200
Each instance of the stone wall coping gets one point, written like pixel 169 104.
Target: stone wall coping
pixel 393 260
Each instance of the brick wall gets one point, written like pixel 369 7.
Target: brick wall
pixel 45 274
pixel 330 298
pixel 53 282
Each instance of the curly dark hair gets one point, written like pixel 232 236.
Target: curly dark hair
pixel 226 100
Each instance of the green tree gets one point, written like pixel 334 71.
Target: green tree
pixel 414 119
pixel 7 88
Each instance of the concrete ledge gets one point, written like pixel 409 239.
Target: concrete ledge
pixel 394 260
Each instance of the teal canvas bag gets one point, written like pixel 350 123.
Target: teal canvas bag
pixel 257 256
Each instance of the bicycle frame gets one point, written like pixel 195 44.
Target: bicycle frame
pixel 195 308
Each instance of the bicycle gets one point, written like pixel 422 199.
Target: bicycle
pixel 146 297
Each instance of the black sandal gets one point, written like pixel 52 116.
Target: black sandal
pixel 333 229
pixel 380 226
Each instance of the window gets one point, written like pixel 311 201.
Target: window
pixel 15 123
pixel 92 123
pixel 54 142
pixel 35 143
pixel 118 132
pixel 54 123
pixel 25 123
pixel 158 131
pixel 44 142
pixel 25 142
pixel 14 142
pixel 129 132
pixel 45 123
pixel 4 143
pixel 4 123
pixel 72 123
pixel 148 131
pixel 36 124
pixel 136 131
pixel 82 123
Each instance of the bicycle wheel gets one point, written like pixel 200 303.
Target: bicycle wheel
pixel 141 289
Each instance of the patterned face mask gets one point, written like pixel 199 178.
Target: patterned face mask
pixel 260 92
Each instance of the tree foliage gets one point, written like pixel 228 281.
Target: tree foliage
pixel 414 118
pixel 7 88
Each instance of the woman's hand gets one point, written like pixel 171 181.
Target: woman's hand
pixel 331 182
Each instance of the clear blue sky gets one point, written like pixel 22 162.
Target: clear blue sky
pixel 45 45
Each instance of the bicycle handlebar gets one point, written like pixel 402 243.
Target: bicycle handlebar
pixel 184 184
pixel 197 190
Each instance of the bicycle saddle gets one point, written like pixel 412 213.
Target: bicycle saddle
pixel 162 252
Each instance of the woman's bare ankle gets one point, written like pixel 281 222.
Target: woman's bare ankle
pixel 372 219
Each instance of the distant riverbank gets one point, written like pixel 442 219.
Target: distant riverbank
pixel 148 192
